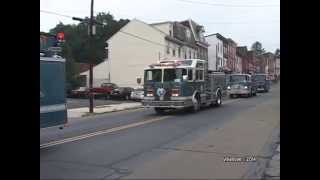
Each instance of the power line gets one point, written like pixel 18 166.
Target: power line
pixel 67 16
pixel 132 35
pixel 54 13
pixel 228 5
pixel 147 40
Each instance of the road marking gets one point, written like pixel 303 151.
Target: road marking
pixel 231 101
pixel 107 131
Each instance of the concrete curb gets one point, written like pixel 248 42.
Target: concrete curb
pixel 84 112
pixel 118 110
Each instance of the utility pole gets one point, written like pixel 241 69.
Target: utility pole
pixel 91 60
pixel 91 24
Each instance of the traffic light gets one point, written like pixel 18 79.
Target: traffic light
pixel 60 37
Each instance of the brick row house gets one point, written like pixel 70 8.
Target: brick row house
pixel 231 54
pixel 278 67
pixel 225 55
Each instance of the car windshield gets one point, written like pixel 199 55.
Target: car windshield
pixel 237 78
pixel 174 74
pixel 153 75
pixel 260 77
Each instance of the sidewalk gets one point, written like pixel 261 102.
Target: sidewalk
pixel 273 168
pixel 80 112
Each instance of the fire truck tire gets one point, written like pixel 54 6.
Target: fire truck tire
pixel 218 100
pixel 196 103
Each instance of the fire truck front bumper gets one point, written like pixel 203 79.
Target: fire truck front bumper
pixel 179 103
pixel 238 91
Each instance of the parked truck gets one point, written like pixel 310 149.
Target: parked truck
pixel 175 84
pixel 53 108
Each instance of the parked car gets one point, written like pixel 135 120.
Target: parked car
pixel 80 92
pixel 104 90
pixel 121 92
pixel 262 81
pixel 137 94
pixel 241 84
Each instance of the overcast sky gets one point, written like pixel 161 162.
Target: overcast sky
pixel 245 21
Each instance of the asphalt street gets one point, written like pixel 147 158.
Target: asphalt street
pixel 124 144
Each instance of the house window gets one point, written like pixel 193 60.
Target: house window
pixel 179 52
pixel 185 55
pixel 170 33
pixel 190 54
pixel 173 52
pixel 168 50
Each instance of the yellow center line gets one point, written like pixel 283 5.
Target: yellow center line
pixel 115 129
pixel 107 131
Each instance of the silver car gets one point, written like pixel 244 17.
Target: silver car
pixel 137 94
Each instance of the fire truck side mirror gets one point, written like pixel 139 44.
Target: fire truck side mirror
pixel 139 80
pixel 185 77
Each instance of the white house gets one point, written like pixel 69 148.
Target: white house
pixel 138 44
pixel 215 51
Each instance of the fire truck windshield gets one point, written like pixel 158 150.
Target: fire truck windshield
pixel 154 75
pixel 169 75
pixel 174 74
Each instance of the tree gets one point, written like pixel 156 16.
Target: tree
pixel 78 46
pixel 257 47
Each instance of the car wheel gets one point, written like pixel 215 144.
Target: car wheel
pixel 127 97
pixel 107 97
pixel 231 96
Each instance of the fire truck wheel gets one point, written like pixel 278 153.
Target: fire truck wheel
pixel 196 104
pixel 219 100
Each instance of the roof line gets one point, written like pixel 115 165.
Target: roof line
pixel 161 23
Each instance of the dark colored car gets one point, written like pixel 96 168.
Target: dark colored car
pixel 262 81
pixel 121 92
pixel 241 84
